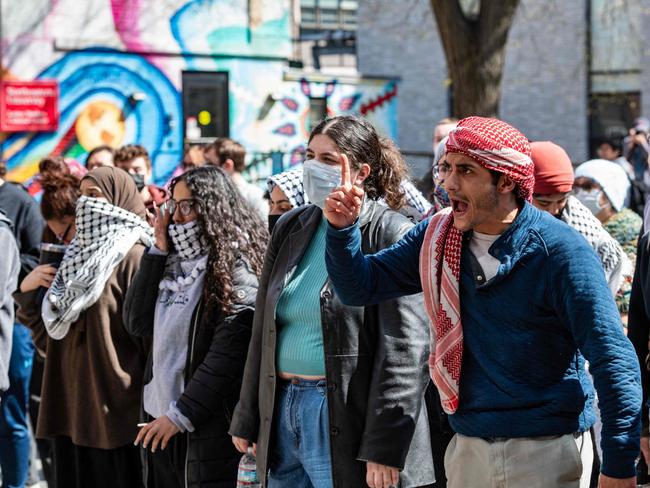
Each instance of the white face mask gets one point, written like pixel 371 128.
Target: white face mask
pixel 319 179
pixel 590 199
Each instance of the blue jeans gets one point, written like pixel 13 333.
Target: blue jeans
pixel 301 453
pixel 14 423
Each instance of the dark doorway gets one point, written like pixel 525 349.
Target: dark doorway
pixel 205 104
pixel 610 116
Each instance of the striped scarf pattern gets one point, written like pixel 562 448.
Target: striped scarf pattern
pixel 105 234
pixel 440 275
pixel 498 147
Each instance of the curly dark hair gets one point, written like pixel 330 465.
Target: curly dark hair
pixel 53 165
pixel 358 139
pixel 129 152
pixel 232 229
pixel 60 195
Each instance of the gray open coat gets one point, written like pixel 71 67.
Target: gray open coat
pixel 375 362
pixel 9 269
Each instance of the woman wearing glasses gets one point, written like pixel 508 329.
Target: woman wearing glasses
pixel 195 293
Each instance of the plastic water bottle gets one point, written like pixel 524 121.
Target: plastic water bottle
pixel 247 472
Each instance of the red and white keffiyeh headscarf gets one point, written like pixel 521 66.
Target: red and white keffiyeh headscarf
pixel 498 147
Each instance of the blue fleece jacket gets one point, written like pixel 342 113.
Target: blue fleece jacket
pixel 526 332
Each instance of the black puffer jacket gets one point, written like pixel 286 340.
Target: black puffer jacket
pixel 217 347
pixel 375 362
pixel 638 322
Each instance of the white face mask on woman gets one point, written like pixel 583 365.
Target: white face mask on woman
pixel 319 179
pixel 590 199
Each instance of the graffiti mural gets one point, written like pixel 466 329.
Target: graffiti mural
pixel 96 107
pixel 119 65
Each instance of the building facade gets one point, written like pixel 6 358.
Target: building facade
pixel 160 73
pixel 264 71
pixel 575 71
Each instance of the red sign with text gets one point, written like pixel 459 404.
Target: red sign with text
pixel 29 106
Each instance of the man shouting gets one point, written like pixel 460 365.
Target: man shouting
pixel 517 300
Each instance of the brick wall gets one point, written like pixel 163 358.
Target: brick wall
pixel 544 89
pixel 399 38
pixel 645 60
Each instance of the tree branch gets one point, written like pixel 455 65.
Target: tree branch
pixel 495 20
pixel 453 26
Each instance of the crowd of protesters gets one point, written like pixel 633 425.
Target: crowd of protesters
pixel 341 327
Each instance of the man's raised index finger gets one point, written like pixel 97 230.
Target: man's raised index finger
pixel 345 171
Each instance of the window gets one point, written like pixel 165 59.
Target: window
pixel 616 45
pixel 328 14
pixel 610 116
pixel 328 34
pixel 349 15
pixel 615 59
pixel 308 12
pixel 205 104
pixel 317 111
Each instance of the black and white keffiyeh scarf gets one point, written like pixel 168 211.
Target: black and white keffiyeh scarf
pixel 105 235
pixel 187 240
pixel 614 260
pixel 290 182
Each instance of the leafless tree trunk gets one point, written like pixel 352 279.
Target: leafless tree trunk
pixel 475 51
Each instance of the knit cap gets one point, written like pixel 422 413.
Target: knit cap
pixel 553 168
pixel 611 178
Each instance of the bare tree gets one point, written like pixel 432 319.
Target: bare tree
pixel 474 35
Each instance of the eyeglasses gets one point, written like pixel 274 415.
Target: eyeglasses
pixel 61 237
pixel 184 206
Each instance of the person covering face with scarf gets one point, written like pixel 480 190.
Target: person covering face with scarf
pixel 93 367
pixel 517 301
pixel 106 232
pixel 194 294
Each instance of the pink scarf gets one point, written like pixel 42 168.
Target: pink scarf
pixel 498 147
pixel 440 275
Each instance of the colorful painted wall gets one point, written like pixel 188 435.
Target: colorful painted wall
pixel 103 51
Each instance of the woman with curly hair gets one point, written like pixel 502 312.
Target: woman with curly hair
pixel 195 293
pixel 286 191
pixel 333 396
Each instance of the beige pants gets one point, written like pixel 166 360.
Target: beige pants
pixel 529 462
